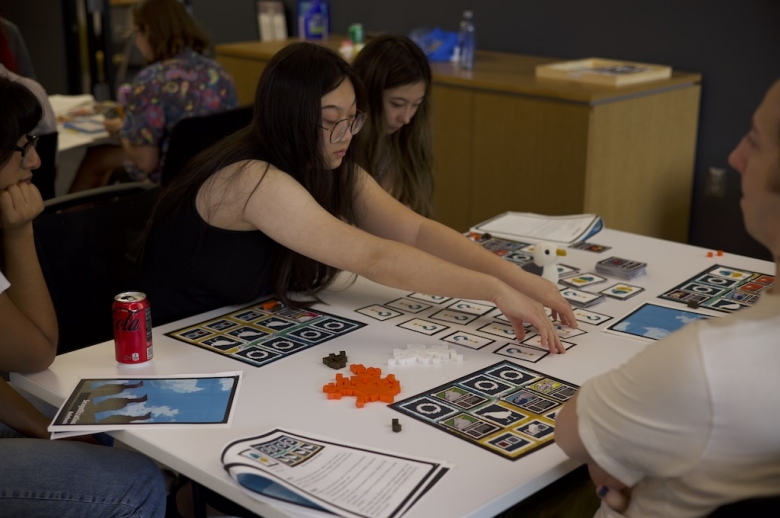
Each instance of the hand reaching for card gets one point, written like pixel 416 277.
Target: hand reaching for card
pixel 519 308
pixel 548 295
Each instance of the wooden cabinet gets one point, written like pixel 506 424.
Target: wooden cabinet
pixel 505 140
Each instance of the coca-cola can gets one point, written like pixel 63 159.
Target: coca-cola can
pixel 132 328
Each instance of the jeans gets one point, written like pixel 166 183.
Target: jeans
pixel 69 479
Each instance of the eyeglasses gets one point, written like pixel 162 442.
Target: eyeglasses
pixel 339 129
pixel 32 142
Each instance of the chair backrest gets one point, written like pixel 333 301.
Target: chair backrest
pixel 88 256
pixel 96 196
pixel 192 135
pixel 43 177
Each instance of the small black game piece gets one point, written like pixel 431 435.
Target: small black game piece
pixel 336 361
pixel 693 304
pixel 396 426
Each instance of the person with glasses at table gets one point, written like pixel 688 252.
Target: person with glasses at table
pixel 281 206
pixel 179 82
pixel 397 139
pixel 40 477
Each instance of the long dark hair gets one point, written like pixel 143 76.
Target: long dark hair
pixel 386 62
pixel 285 132
pixel 20 112
pixel 169 28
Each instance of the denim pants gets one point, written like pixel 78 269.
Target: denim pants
pixel 68 479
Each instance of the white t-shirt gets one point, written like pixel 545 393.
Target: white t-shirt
pixel 694 419
pixel 4 284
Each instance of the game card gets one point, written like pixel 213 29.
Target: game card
pixel 590 247
pixel 564 270
pixel 409 306
pixel 536 341
pixel 583 279
pixel 467 306
pixel 499 329
pixel 436 299
pixel 468 340
pixel 653 322
pixel 425 327
pixel 618 263
pixel 622 291
pixel 731 273
pixel 590 317
pixel 522 352
pixel 453 317
pixel 378 312
pixel 579 297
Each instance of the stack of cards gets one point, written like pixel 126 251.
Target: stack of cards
pixel 581 299
pixel 622 268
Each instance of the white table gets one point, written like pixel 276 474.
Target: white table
pixel 287 393
pixel 72 145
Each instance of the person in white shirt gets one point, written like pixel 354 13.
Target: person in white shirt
pixel 693 421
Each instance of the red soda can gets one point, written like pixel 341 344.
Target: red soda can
pixel 132 328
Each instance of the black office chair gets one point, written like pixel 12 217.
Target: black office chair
pixel 194 134
pixel 88 256
pixel 768 507
pixel 43 177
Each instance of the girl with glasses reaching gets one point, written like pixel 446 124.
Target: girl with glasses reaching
pixel 397 139
pixel 282 206
pixel 40 477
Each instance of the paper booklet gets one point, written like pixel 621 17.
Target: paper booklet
pixel 521 226
pixel 329 476
pixel 106 404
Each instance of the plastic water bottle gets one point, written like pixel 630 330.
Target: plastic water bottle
pixel 313 21
pixel 466 42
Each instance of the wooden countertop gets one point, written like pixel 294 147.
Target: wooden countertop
pixel 494 71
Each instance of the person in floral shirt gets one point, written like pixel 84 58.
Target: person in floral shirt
pixel 179 82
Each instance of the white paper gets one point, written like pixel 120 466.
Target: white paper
pixel 62 104
pixel 536 227
pixel 344 479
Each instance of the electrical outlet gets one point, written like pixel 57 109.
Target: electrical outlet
pixel 715 186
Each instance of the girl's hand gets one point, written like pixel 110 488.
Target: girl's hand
pixel 519 308
pixel 20 203
pixel 546 293
pixel 114 125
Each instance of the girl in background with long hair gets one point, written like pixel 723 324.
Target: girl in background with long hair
pixel 397 137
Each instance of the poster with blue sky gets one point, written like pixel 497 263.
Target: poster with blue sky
pixel 654 322
pixel 101 404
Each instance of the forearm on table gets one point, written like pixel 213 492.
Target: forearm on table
pixel 28 290
pixel 19 414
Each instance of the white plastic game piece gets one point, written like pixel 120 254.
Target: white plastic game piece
pixel 427 355
pixel 546 255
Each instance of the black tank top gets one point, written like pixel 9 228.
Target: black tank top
pixel 190 267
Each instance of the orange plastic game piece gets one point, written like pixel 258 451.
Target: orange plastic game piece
pixel 709 254
pixel 270 304
pixel 366 385
pixel 720 253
